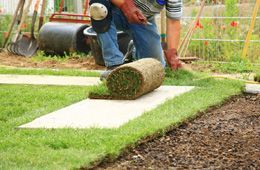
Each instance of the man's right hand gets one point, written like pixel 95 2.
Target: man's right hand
pixel 172 59
pixel 132 13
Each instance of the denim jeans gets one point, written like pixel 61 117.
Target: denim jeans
pixel 146 38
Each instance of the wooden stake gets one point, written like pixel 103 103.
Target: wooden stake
pixel 185 42
pixel 248 37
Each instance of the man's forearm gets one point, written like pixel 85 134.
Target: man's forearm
pixel 173 33
pixel 117 3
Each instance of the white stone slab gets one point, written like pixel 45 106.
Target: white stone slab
pixel 48 80
pixel 253 88
pixel 106 113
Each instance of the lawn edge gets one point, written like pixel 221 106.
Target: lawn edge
pixel 49 71
pixel 110 158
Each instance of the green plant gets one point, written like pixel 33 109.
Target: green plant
pixel 242 66
pixel 4 23
pixel 257 77
pixel 41 56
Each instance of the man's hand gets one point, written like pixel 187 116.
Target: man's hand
pixel 132 13
pixel 172 59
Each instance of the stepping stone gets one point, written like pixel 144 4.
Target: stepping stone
pixel 48 80
pixel 252 88
pixel 106 113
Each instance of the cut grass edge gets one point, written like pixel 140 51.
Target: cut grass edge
pixel 45 71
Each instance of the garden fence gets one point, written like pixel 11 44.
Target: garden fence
pixel 219 35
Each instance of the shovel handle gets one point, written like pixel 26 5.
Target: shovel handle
pixel 36 7
pixel 13 22
pixel 42 14
pixel 25 12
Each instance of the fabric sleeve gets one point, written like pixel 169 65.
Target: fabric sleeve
pixel 174 9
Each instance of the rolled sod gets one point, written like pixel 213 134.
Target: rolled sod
pixel 133 80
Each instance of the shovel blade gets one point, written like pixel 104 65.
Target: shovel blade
pixel 27 46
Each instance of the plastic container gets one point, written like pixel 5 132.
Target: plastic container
pixel 122 37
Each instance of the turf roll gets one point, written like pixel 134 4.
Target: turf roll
pixel 135 79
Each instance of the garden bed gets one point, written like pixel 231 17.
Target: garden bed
pixel 41 61
pixel 223 137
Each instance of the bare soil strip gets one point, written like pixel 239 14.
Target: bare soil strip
pixel 224 138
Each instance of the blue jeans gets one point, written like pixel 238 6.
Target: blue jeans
pixel 146 38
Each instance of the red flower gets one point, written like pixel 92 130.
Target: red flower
pixel 23 26
pixel 234 24
pixel 5 34
pixel 199 25
pixel 1 10
pixel 206 43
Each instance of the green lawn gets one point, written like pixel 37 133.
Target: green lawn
pixel 70 149
pixel 55 72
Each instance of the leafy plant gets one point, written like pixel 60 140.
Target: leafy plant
pixel 212 33
pixel 257 77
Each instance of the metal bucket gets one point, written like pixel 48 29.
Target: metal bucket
pixel 63 38
pixel 122 38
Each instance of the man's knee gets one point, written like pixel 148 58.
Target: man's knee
pixel 101 15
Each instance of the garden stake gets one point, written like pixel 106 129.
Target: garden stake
pixel 248 37
pixel 185 42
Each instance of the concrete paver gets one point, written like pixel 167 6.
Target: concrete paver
pixel 48 80
pixel 252 88
pixel 106 113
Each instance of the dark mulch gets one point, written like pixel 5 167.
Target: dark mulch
pixel 224 138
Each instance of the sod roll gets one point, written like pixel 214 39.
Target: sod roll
pixel 135 79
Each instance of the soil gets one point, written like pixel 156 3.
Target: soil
pixel 223 138
pixel 83 63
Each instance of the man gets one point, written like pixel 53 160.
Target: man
pixel 136 17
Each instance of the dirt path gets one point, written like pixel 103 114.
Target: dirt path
pixel 227 137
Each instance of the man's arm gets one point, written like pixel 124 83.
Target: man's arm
pixel 173 39
pixel 118 3
pixel 173 33
pixel 132 13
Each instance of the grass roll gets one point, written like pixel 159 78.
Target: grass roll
pixel 135 79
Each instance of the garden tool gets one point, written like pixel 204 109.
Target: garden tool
pixel 16 18
pixel 12 47
pixel 41 19
pixel 27 46
pixel 163 29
